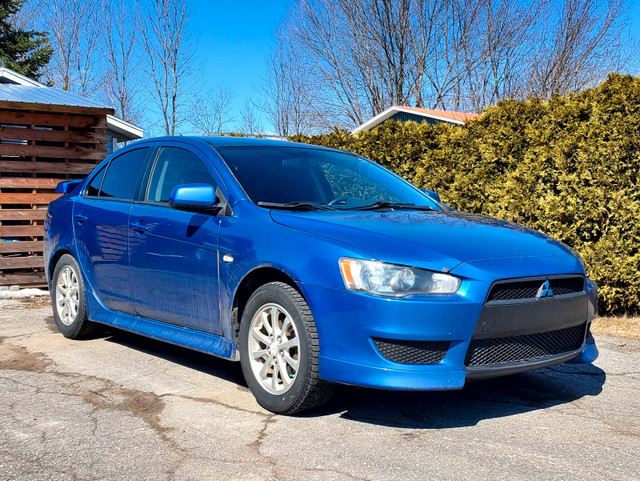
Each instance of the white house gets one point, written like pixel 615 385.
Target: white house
pixel 402 113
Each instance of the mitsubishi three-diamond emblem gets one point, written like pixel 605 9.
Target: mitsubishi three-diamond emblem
pixel 544 290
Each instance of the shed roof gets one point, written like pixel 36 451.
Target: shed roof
pixel 441 115
pixel 50 96
pixel 19 89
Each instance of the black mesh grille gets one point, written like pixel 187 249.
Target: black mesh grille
pixel 514 290
pixel 527 289
pixel 412 352
pixel 566 285
pixel 486 352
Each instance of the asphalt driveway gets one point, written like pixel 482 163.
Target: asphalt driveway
pixel 123 407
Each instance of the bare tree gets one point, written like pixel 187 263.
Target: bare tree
pixel 122 60
pixel 169 49
pixel 450 55
pixel 362 57
pixel 210 111
pixel 74 26
pixel 582 46
pixel 250 122
pixel 496 54
pixel 289 93
pixel 27 16
pixel 320 34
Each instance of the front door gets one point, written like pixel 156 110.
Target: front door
pixel 174 254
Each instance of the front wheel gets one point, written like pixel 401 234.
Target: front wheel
pixel 67 297
pixel 279 351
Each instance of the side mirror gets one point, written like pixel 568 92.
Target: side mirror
pixel 434 195
pixel 195 197
pixel 67 186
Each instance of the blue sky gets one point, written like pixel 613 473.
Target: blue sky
pixel 235 38
pixel 634 18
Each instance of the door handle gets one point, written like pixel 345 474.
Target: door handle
pixel 139 228
pixel 79 218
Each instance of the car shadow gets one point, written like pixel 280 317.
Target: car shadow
pixel 215 366
pixel 479 400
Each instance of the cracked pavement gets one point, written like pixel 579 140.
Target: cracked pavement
pixel 122 407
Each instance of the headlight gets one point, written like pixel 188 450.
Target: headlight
pixel 391 280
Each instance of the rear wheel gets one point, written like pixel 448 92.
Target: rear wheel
pixel 67 297
pixel 279 351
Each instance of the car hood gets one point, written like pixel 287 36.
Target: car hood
pixel 432 240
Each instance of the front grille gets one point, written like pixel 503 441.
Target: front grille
pixel 530 347
pixel 567 285
pixel 528 288
pixel 412 352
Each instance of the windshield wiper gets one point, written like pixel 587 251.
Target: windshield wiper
pixel 294 206
pixel 391 206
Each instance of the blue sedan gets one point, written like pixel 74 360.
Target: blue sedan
pixel 310 266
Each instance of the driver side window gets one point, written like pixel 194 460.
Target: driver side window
pixel 173 167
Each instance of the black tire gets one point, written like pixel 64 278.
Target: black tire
pixel 71 326
pixel 307 389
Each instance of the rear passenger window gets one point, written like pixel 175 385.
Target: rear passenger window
pixel 94 185
pixel 173 167
pixel 121 178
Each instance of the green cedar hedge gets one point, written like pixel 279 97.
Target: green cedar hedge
pixel 567 167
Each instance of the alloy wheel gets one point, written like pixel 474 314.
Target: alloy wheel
pixel 67 295
pixel 274 348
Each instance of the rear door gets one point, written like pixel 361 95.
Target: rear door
pixel 101 226
pixel 174 253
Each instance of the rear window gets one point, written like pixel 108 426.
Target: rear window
pixel 93 188
pixel 121 178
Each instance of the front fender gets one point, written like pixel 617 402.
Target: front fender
pixel 254 241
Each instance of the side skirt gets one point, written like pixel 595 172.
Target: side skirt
pixel 161 331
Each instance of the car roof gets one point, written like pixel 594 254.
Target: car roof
pixel 226 141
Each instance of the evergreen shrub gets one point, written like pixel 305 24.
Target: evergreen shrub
pixel 568 167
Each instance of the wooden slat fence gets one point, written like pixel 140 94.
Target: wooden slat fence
pixel 40 146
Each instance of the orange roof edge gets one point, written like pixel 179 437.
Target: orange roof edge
pixel 459 116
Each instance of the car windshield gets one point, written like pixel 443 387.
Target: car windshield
pixel 306 178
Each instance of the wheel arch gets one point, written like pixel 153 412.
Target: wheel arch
pixel 248 285
pixel 53 261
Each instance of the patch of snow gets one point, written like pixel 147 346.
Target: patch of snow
pixel 22 293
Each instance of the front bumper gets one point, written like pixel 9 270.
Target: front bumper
pixel 351 325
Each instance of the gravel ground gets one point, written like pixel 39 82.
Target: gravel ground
pixel 626 327
pixel 123 407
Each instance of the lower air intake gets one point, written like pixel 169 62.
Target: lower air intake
pixel 530 347
pixel 412 352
